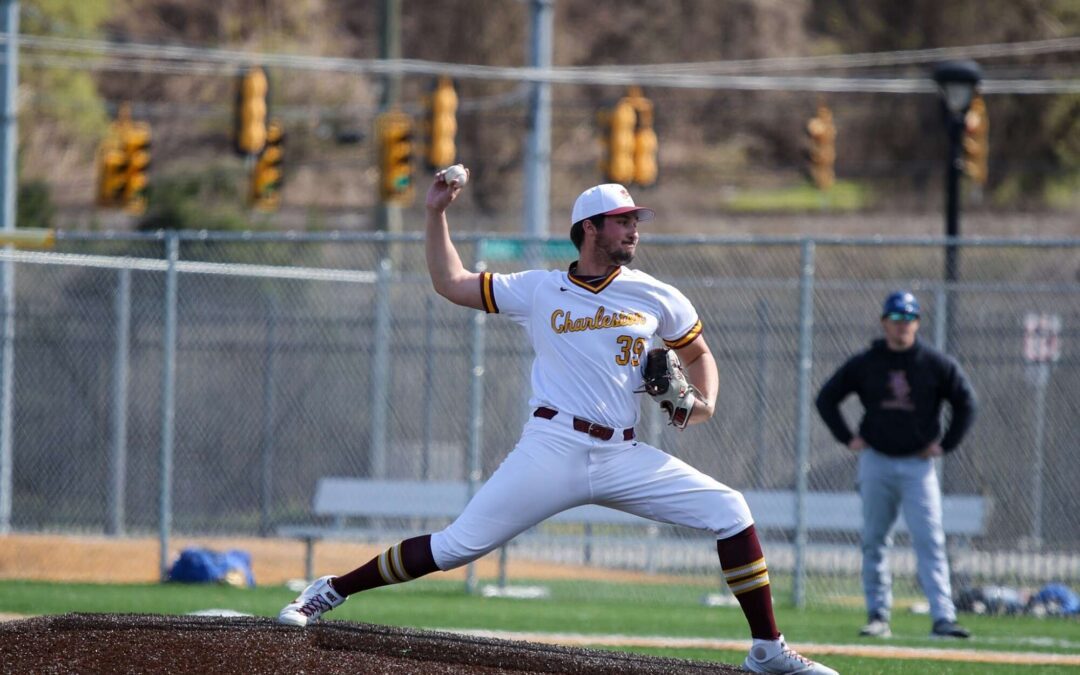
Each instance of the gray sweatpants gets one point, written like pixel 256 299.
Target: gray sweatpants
pixel 889 485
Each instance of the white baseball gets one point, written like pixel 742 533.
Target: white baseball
pixel 456 174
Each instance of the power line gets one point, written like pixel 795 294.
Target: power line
pixel 174 59
pixel 869 59
pixel 513 98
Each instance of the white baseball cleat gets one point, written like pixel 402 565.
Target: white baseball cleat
pixel 317 599
pixel 777 658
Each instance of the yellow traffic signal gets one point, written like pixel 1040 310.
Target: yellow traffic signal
pixel 123 159
pixel 112 173
pixel 630 143
pixel 822 133
pixel 251 111
pixel 442 125
pixel 266 176
pixel 976 142
pixel 136 142
pixel 618 162
pixel 395 133
pixel 646 144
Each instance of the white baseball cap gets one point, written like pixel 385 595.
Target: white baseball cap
pixel 610 199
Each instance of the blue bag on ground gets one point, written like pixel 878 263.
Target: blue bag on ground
pixel 201 565
pixel 1059 598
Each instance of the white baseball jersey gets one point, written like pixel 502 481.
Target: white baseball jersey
pixel 590 340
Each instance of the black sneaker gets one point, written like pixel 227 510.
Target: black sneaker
pixel 949 629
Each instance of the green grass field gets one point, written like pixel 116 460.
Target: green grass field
pixel 802 197
pixel 677 613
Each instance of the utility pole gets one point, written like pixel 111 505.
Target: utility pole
pixel 388 217
pixel 538 149
pixel 388 220
pixel 8 140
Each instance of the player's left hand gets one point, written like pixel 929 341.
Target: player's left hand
pixel 666 382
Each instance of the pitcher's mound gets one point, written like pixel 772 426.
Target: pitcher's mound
pixel 137 643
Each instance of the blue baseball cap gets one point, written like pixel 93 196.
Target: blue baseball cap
pixel 900 302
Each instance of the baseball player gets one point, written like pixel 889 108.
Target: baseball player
pixel 590 328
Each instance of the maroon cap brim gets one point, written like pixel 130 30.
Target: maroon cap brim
pixel 644 214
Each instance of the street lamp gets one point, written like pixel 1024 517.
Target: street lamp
pixel 957 82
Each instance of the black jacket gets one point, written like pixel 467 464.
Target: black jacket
pixel 901 394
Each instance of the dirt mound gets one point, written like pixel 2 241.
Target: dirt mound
pixel 133 643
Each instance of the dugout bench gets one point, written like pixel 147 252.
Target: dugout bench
pixel 424 504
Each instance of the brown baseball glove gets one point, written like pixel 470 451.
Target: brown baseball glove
pixel 667 383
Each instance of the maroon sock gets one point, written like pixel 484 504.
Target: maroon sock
pixel 411 559
pixel 748 578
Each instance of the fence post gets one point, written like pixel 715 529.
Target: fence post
pixel 9 75
pixel 941 305
pixel 121 356
pixel 760 393
pixel 429 386
pixel 1042 379
pixel 168 399
pixel 474 467
pixel 7 393
pixel 802 412
pixel 269 418
pixel 941 323
pixel 380 376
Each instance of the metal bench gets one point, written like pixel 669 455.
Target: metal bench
pixel 962 515
pixel 434 501
pixel 438 502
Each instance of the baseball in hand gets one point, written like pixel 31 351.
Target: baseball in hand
pixel 456 175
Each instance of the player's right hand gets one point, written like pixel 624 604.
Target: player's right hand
pixel 441 194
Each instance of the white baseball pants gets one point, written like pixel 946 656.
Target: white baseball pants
pixel 554 468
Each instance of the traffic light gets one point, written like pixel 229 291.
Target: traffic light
pixel 630 142
pixel 646 145
pixel 112 173
pixel 136 143
pixel 266 175
pixel 822 153
pixel 442 125
pixel 620 124
pixel 251 111
pixel 395 133
pixel 123 159
pixel 976 142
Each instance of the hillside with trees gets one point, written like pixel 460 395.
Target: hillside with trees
pixel 720 149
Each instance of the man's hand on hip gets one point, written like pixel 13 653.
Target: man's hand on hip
pixel 932 450
pixel 856 444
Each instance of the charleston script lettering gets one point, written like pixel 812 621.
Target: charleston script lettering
pixel 563 322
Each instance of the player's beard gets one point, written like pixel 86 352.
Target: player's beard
pixel 619 255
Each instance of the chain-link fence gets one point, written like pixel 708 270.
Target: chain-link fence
pixel 203 384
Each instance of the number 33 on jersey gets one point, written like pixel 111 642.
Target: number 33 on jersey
pixel 590 339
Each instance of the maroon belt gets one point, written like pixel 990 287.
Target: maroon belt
pixel 586 427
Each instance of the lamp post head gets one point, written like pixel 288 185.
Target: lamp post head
pixel 957 81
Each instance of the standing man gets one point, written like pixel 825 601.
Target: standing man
pixel 901 384
pixel 590 327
